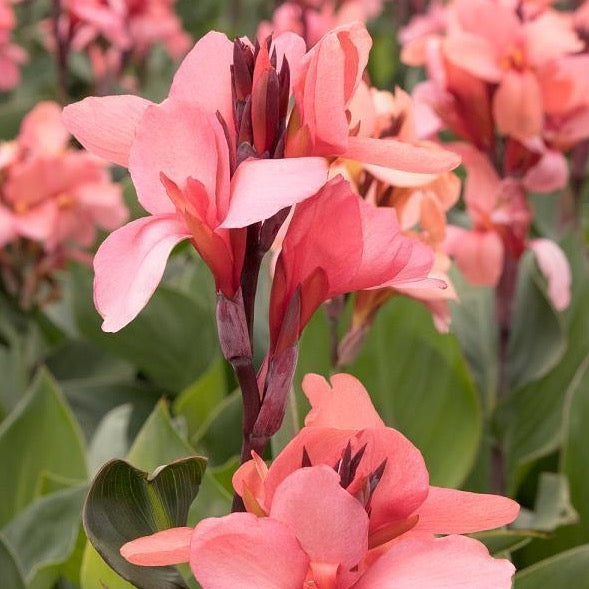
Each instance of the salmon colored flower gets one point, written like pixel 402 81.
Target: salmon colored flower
pixel 51 193
pixel 346 505
pixel 501 220
pixel 208 161
pixel 361 247
pixel 11 55
pixel 53 200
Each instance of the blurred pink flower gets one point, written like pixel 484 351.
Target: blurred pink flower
pixel 312 19
pixel 209 160
pixel 366 523
pixel 11 55
pixel 51 193
pixel 501 220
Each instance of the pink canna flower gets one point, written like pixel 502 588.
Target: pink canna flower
pixel 53 200
pixel 362 247
pixel 54 194
pixel 501 219
pixel 489 41
pixel 368 523
pixel 11 55
pixel 208 161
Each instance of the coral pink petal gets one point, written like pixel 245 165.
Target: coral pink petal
pixel 243 552
pixel 204 77
pixel 106 126
pixel 261 188
pixel 330 524
pixel 437 563
pixel 7 226
pixel 447 511
pixel 517 105
pixel 292 47
pixel 549 174
pixel 473 54
pixel 179 140
pixel 401 156
pixel 478 254
pixel 42 130
pixel 129 265
pixel 162 548
pixel 555 267
pixel 344 403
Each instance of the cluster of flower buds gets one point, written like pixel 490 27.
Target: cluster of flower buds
pixel 53 199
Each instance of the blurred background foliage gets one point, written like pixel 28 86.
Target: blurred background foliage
pixel 73 397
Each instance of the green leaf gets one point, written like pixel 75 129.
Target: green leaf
pixel 420 385
pixel 475 326
pixel 537 339
pixel 39 436
pixel 552 508
pixel 219 438
pixel 96 574
pixel 501 542
pixel 575 451
pixel 173 339
pixel 44 535
pixel 12 577
pixel 124 503
pixel 200 399
pixel 158 442
pixel 568 569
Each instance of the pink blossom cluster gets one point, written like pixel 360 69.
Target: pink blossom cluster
pixel 117 32
pixel 509 79
pixel 311 19
pixel 11 55
pixel 346 505
pixel 53 198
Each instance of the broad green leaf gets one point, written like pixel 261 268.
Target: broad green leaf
pixel 173 339
pixel 531 419
pixel 125 503
pixel 196 403
pixel 12 577
pixel 420 385
pixel 158 442
pixel 500 542
pixel 475 326
pixel 575 452
pixel 39 436
pixel 44 535
pixel 96 574
pixel 567 569
pixel 552 508
pixel 111 437
pixel 213 500
pixel 219 438
pixel 537 338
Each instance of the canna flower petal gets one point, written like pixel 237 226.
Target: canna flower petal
pixel 106 126
pixel 401 156
pixel 204 76
pixel 129 265
pixel 261 188
pixel 555 267
pixel 447 511
pixel 478 254
pixel 517 105
pixel 343 404
pixel 181 141
pixel 437 563
pixel 330 524
pixel 162 548
pixel 242 551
